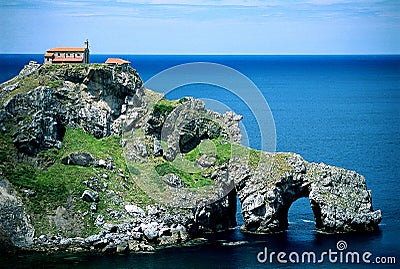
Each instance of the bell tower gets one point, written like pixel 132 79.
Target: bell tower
pixel 86 60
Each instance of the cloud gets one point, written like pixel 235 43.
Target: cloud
pixel 249 3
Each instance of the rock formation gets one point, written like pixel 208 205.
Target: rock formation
pixel 45 102
pixel 93 99
pixel 15 224
pixel 338 197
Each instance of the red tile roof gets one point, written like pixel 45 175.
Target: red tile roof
pixel 117 61
pixel 49 54
pixel 68 60
pixel 62 49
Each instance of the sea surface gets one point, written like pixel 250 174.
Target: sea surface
pixel 340 110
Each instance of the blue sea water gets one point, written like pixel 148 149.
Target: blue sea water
pixel 341 110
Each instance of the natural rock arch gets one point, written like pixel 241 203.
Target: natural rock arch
pixel 338 197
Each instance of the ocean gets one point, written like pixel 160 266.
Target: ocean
pixel 340 110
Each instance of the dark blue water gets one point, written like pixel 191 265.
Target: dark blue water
pixel 342 110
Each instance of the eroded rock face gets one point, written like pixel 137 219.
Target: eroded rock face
pixel 95 100
pixel 190 123
pixel 338 197
pixel 340 200
pixel 218 216
pixel 15 227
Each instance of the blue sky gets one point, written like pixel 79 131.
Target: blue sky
pixel 202 27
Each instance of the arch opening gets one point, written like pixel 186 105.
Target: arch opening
pixel 300 216
pixel 239 215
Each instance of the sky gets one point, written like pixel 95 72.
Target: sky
pixel 202 27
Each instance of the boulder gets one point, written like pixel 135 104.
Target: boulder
pixel 174 181
pixel 134 209
pixel 78 158
pixel 150 230
pixel 157 147
pixel 90 196
pixel 99 220
pixel 122 246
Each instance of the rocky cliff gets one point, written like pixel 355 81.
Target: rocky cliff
pixel 78 140
pixel 339 198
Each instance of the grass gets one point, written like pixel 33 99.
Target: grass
pixel 29 83
pixel 218 147
pixel 193 180
pixel 254 158
pixel 163 107
pixel 58 184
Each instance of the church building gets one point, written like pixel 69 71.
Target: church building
pixel 67 55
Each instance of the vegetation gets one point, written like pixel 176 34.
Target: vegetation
pixel 254 157
pixel 61 185
pixel 193 180
pixel 163 107
pixel 29 83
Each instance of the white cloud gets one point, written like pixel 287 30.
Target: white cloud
pixel 334 2
pixel 248 3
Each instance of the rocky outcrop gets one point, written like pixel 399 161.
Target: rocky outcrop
pixel 338 197
pixel 188 124
pixel 94 99
pixel 15 226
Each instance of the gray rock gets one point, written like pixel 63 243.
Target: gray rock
pixel 15 225
pixel 157 147
pixel 136 246
pixel 152 210
pixel 43 238
pixel 180 231
pixel 333 194
pixel 99 220
pixel 151 230
pixel 110 166
pixel 102 163
pixel 110 248
pixel 93 207
pixel 146 248
pixel 217 216
pixel 122 246
pixel 66 241
pixel 134 209
pixel 90 196
pixel 136 235
pixel 30 193
pixel 32 67
pixel 206 161
pixel 174 181
pixel 92 239
pixel 78 158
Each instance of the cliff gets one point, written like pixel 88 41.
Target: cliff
pixel 89 159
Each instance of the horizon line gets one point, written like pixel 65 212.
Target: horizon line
pixel 223 54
